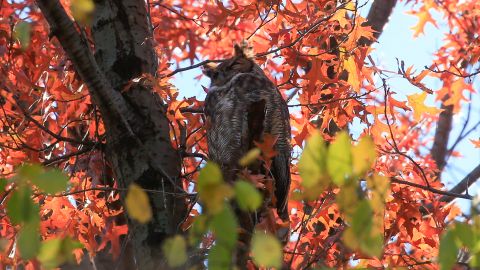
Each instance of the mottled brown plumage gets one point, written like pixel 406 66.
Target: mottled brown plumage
pixel 243 105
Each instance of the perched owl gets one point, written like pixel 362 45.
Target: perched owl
pixel 242 105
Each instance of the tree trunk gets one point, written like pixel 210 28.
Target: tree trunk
pixel 138 137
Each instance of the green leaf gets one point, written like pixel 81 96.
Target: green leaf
pixel 224 226
pixel 312 163
pixel 266 250
pixel 22 33
pixel 21 208
pixel 365 155
pixel 464 232
pixel 209 175
pixel 219 258
pixel 211 189
pixel 51 181
pixel 3 184
pixel 28 241
pixel 248 197
pixel 362 234
pixel 175 251
pixel 339 162
pixel 57 251
pixel 29 172
pixel 447 255
pixel 198 229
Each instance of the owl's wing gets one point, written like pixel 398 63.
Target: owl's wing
pixel 280 127
pixel 268 113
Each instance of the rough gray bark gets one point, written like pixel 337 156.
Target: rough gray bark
pixel 138 141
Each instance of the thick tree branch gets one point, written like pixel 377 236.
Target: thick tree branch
pixel 377 18
pixel 442 133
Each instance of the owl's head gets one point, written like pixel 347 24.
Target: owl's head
pixel 241 62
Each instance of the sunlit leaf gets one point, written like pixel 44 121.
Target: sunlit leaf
pixel 339 161
pixel 212 190
pixel 266 250
pixel 312 165
pixel 364 154
pixel 380 187
pixel 247 196
pixel 348 198
pixel 417 102
pixel 138 204
pixel 361 233
pixel 175 251
pixel 353 73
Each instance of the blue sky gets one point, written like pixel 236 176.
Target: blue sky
pixel 396 42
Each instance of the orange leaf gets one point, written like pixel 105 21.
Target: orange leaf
pixel 476 143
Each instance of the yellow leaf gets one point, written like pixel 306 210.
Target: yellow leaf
pixel 214 196
pixel 266 250
pixel 250 157
pixel 353 73
pixel 365 155
pixel 312 164
pixel 175 251
pixel 380 187
pixel 347 198
pixel 82 10
pixel 417 102
pixel 339 161
pixel 137 204
pixel 212 190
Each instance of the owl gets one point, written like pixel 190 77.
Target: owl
pixel 242 106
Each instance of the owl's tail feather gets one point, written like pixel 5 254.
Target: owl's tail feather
pixel 281 175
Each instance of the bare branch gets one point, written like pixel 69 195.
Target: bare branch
pixel 463 185
pixel 450 193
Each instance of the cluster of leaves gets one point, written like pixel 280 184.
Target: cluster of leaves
pixel 24 214
pixel 219 218
pixel 343 165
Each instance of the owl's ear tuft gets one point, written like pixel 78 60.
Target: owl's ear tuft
pixel 244 50
pixel 209 69
pixel 238 51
